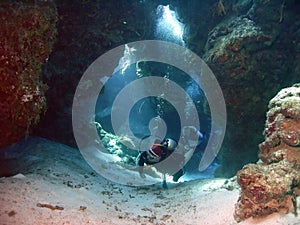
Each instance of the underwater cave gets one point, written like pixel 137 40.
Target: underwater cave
pixel 149 112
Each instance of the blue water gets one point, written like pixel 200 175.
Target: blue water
pixel 148 108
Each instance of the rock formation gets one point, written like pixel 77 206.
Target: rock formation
pixel 273 183
pixel 27 34
pixel 245 50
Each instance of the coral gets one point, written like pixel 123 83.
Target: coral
pixel 272 184
pixel 282 128
pixel 120 146
pixel 265 189
pixel 226 40
pixel 28 32
pixel 229 51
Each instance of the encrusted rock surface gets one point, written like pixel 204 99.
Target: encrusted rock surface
pixel 282 129
pixel 272 184
pixel 249 55
pixel 27 34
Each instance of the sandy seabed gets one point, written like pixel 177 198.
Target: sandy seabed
pixel 56 186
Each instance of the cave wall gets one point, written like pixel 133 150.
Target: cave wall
pixel 250 53
pixel 27 33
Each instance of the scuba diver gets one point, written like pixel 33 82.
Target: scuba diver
pixel 168 148
pixel 156 155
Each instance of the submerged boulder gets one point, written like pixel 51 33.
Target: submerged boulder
pixel 274 182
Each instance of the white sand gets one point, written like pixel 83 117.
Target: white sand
pixel 65 181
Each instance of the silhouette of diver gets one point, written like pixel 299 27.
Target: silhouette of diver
pixel 176 156
pixel 156 155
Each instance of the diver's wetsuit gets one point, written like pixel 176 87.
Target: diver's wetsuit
pixel 172 166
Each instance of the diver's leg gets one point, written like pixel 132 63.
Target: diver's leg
pixel 164 181
pixel 177 175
